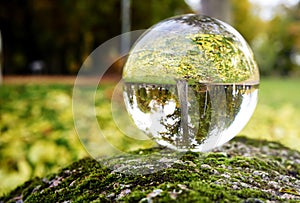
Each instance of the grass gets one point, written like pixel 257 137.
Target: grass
pixel 37 134
pixel 277 114
pixel 278 92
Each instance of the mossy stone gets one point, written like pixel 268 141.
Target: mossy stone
pixel 243 170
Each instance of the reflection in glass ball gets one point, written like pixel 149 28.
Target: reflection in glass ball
pixel 191 83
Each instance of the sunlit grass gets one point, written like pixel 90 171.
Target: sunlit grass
pixel 277 116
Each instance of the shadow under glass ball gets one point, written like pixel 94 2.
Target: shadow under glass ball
pixel 191 83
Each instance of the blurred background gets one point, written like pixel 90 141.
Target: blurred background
pixel 54 37
pixel 44 43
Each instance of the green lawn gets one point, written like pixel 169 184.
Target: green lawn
pixel 277 116
pixel 37 134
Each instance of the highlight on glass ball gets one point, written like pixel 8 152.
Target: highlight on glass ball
pixel 191 83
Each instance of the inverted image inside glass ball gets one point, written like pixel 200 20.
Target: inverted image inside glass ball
pixel 191 83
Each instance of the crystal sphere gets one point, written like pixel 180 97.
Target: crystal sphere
pixel 191 83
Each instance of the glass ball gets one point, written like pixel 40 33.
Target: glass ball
pixel 191 83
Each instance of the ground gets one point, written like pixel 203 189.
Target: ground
pixel 243 170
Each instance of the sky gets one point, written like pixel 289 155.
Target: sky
pixel 265 8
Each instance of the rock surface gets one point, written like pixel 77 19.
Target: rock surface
pixel 243 170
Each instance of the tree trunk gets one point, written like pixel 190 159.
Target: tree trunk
pixel 220 9
pixel 1 79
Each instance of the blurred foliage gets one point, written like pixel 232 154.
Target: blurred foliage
pixel 63 33
pixel 275 43
pixel 36 128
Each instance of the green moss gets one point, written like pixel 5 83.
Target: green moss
pixel 225 175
